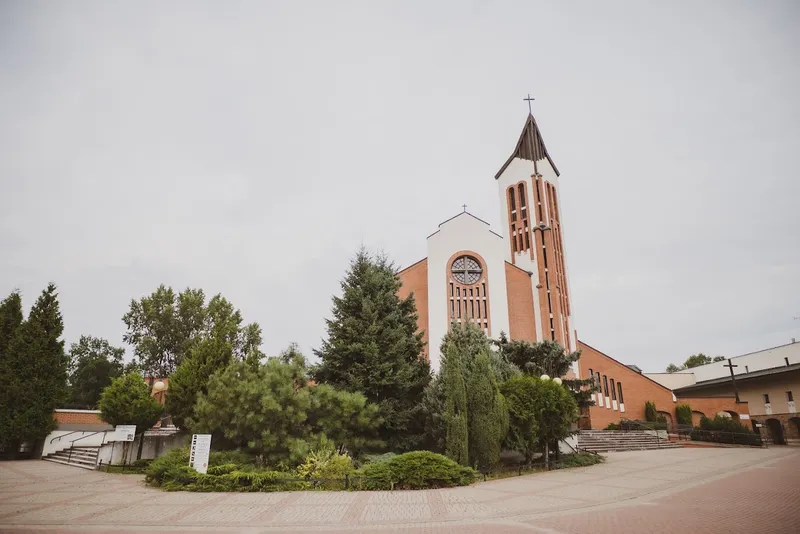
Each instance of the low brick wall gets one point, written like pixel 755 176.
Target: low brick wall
pixel 78 417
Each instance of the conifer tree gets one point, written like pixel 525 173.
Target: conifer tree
pixel 457 432
pixel 34 374
pixel 10 321
pixel 488 416
pixel 373 347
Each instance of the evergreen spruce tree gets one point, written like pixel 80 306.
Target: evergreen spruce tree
pixel 488 416
pixel 373 347
pixel 457 433
pixel 34 374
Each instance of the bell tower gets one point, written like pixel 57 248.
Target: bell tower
pixel 529 202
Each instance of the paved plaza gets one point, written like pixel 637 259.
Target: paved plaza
pixel 698 490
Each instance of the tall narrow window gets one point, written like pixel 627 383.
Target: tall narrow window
pixel 766 398
pixel 789 396
pixel 518 225
pixel 605 385
pixel 613 390
pixel 621 398
pixel 598 382
pixel 591 375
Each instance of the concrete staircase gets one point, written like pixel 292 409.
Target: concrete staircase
pixel 616 440
pixel 85 457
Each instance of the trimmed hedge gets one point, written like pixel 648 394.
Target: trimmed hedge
pixel 414 470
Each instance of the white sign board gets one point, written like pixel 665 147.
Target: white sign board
pixel 744 416
pixel 198 454
pixel 124 432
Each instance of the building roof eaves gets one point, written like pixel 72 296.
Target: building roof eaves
pixel 740 377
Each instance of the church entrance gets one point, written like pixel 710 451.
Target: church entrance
pixel 776 431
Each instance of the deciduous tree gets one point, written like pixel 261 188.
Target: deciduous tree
pixel 94 363
pixel 550 358
pixel 164 328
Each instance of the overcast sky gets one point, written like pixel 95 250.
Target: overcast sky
pixel 249 148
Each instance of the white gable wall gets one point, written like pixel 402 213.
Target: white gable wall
pixel 464 233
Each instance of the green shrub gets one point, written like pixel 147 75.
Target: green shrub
pixel 223 469
pixel 683 414
pixel 326 466
pixel 579 459
pixel 661 419
pixel 613 426
pixel 724 430
pixel 414 470
pixel 230 457
pixel 650 412
pixel 377 458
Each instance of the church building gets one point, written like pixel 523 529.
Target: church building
pixel 515 280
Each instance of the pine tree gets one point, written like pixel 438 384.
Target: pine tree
pixel 34 374
pixel 488 416
pixel 457 436
pixel 373 347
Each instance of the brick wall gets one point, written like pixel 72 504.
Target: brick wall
pixel 521 317
pixel 78 417
pixel 415 280
pixel 711 406
pixel 636 389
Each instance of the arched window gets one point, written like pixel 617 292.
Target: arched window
pixel 605 385
pixel 619 388
pixel 466 291
pixel 613 390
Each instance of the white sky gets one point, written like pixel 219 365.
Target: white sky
pixel 249 148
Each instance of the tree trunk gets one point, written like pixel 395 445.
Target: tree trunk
pixel 547 456
pixel 141 444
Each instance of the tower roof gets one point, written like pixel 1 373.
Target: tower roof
pixel 530 146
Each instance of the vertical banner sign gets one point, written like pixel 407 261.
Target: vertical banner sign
pixel 198 455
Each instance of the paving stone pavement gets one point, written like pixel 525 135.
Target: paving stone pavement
pixel 698 490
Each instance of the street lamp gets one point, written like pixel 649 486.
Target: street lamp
pixel 545 377
pixel 557 381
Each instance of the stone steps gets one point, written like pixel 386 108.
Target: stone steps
pixel 84 457
pixel 614 440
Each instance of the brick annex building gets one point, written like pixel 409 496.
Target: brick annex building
pixel 517 282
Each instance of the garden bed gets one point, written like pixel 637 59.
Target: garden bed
pixel 236 472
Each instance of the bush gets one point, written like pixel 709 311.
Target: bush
pixel 613 426
pixel 724 430
pixel 579 459
pixel 683 414
pixel 223 469
pixel 414 470
pixel 650 412
pixel 326 466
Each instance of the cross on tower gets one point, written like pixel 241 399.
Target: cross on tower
pixel 465 207
pixel 529 100
pixel 730 366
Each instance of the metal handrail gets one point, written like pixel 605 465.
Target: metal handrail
pixel 658 438
pixel 64 435
pixel 72 443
